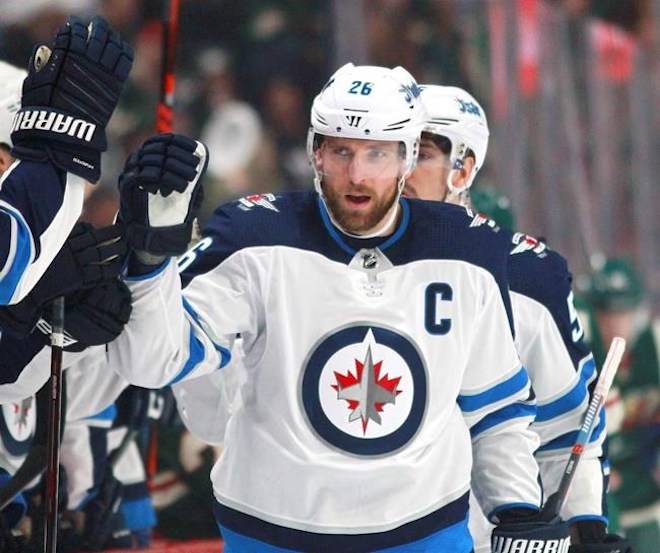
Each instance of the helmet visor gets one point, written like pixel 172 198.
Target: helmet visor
pixel 357 160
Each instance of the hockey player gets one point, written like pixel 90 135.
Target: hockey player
pixel 58 134
pixel 377 343
pixel 616 294
pixel 549 338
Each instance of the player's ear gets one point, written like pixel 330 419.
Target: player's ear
pixel 463 175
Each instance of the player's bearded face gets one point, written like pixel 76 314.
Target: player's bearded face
pixel 359 180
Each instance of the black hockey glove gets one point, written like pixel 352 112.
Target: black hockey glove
pixel 526 530
pixel 71 90
pixel 160 190
pixel 89 257
pixel 93 317
pixel 593 538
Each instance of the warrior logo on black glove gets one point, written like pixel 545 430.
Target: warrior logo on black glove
pixel 72 89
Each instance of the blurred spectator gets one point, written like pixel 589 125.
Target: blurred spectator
pixel 101 205
pixel 241 160
pixel 288 119
pixel 617 297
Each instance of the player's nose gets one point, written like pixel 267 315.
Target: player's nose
pixel 358 171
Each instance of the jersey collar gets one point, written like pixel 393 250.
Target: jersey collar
pixel 351 245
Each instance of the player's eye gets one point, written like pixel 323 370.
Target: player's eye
pixel 342 152
pixel 376 154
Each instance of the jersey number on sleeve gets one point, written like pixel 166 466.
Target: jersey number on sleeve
pixel 436 291
pixel 576 327
pixel 187 258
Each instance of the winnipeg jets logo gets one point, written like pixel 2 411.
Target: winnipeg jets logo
pixel 411 91
pixel 21 412
pixel 17 424
pixel 262 200
pixel 363 389
pixel 525 242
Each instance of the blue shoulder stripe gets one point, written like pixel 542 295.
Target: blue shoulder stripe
pixel 573 398
pixel 474 402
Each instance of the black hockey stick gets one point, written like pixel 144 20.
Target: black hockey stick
pixel 51 499
pixel 556 500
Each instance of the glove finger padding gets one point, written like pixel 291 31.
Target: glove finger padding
pixel 89 257
pixel 97 316
pixel 160 190
pixel 71 90
pixel 610 544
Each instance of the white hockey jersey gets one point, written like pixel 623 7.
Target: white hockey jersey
pixel 374 369
pixel 549 340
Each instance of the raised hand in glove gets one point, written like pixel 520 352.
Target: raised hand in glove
pixel 526 531
pixel 72 88
pixel 89 257
pixel 160 191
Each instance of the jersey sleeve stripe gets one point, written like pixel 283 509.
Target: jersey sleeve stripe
pixel 499 392
pixel 568 440
pixel 506 414
pixel 224 352
pixel 195 357
pixel 20 254
pixel 571 400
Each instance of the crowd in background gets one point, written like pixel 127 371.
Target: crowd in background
pixel 246 74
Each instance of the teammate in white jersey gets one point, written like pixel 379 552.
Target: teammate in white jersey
pixel 549 338
pixel 377 343
pixel 51 138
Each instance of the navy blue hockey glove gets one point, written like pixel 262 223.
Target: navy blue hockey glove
pixel 526 530
pixel 89 257
pixel 93 317
pixel 160 190
pixel 610 544
pixel 71 90
pixel 593 538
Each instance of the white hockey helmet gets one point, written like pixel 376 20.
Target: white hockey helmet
pixel 11 81
pixel 370 103
pixel 456 114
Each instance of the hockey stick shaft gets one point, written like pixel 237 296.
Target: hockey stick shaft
pixel 612 361
pixel 165 109
pixel 54 427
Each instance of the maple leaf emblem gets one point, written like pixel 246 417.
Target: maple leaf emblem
pixel 366 391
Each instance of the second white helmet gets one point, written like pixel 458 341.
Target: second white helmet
pixel 456 114
pixel 11 82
